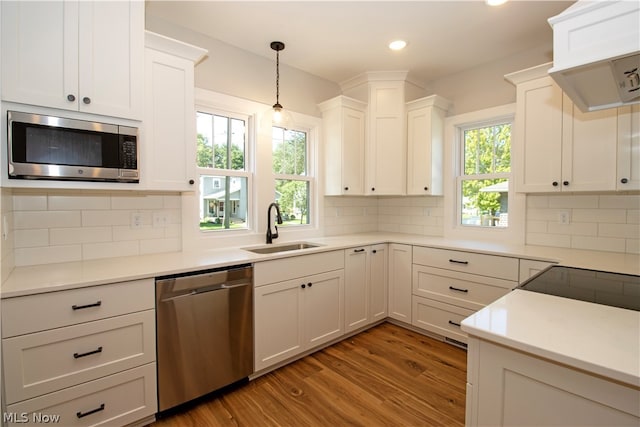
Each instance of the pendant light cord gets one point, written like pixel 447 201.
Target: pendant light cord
pixel 277 76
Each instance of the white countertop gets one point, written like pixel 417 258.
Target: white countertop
pixel 55 277
pixel 596 338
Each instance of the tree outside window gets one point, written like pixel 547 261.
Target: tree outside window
pixel 290 167
pixel 486 170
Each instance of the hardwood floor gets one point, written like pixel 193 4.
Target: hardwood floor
pixel 386 376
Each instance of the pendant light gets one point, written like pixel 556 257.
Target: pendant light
pixel 279 116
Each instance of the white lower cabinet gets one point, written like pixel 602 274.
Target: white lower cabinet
pixel 119 399
pixel 449 285
pixel 300 312
pixel 512 388
pixel 86 355
pixel 400 282
pixel 365 291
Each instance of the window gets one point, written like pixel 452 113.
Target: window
pixel 483 184
pixel 292 178
pixel 222 166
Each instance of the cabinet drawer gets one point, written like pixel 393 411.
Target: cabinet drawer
pixel 468 262
pixel 118 399
pixel 461 289
pixel 279 270
pixel 440 318
pixel 76 354
pixel 50 310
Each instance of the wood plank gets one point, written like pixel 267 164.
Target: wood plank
pixel 385 376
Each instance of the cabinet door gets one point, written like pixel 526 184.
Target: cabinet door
pixel 425 151
pixel 588 148
pixel 40 53
pixel 111 58
pixel 278 323
pixel 356 288
pixel 629 148
pixel 387 144
pixel 353 154
pixel 538 136
pixel 378 283
pixel 400 282
pixel 323 306
pixel 169 132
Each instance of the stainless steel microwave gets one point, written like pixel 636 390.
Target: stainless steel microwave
pixel 48 147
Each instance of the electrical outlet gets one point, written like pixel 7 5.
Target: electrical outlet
pixel 563 218
pixel 136 220
pixel 159 219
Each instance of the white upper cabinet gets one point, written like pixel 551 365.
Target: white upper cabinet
pixel 425 145
pixel 629 148
pixel 169 134
pixel 75 55
pixel 556 146
pixel 344 124
pixel 387 143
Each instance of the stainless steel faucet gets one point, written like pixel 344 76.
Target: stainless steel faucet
pixel 271 236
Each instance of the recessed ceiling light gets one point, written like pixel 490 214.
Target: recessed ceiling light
pixel 495 2
pixel 397 45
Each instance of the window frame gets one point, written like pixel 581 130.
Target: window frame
pixel 454 168
pixel 308 177
pixel 247 173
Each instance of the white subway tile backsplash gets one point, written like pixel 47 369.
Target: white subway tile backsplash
pixel 47 219
pixel 59 225
pixel 47 255
pixel 573 201
pixel 599 215
pixel 544 239
pixel 615 201
pixel 137 201
pixel 632 246
pixel 80 202
pixel 536 201
pixel 110 249
pixel 67 236
pixel 619 230
pixel 29 202
pixel 574 228
pixel 32 238
pixel 608 244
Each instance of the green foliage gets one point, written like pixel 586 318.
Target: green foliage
pixel 208 157
pixel 487 151
pixel 290 158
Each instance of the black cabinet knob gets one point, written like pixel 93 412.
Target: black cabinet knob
pixel 554 183
pixel 565 182
pixel 624 180
pixel 426 188
pixel 303 286
pixel 71 98
pixel 374 251
pixel 86 100
pixel 346 188
pixel 373 189
pixel 191 182
pixel 309 284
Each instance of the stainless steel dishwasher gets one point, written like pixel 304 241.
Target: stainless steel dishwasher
pixel 204 324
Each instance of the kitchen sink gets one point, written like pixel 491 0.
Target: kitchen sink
pixel 284 247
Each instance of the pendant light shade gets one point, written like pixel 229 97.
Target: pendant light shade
pixel 277 115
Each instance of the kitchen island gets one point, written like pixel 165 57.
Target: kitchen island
pixel 538 359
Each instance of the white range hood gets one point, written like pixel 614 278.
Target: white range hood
pixel 596 53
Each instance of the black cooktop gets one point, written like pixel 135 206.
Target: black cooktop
pixel 600 287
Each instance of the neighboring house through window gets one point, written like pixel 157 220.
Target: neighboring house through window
pixel 224 176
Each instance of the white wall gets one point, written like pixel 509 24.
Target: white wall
pixel 236 72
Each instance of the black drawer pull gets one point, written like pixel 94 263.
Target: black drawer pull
pixel 93 411
pixel 453 288
pixel 455 261
pixel 80 307
pixel 451 322
pixel 89 353
pixel 358 250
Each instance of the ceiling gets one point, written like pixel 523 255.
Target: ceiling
pixel 337 40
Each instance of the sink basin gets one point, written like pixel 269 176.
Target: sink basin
pixel 284 247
